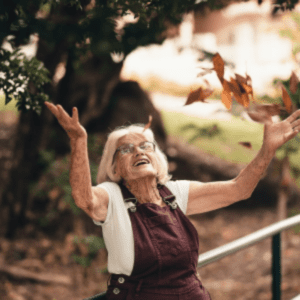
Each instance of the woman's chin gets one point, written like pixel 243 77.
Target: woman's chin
pixel 142 173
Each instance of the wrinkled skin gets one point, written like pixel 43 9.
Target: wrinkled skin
pixel 140 180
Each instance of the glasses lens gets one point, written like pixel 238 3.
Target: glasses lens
pixel 127 148
pixel 147 146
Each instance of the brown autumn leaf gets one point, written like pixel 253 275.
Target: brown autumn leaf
pixel 263 113
pixel 287 100
pixel 249 79
pixel 148 125
pixel 245 83
pixel 234 87
pixel 226 94
pixel 219 66
pixel 294 83
pixel 241 79
pixel 246 144
pixel 248 89
pixel 245 99
pixel 198 95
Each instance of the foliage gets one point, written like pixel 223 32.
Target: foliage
pixel 23 79
pixel 206 131
pixel 225 145
pixel 293 32
pixel 55 180
pixel 84 27
pixel 93 244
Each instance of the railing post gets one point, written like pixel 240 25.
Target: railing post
pixel 276 267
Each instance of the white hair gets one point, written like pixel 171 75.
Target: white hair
pixel 107 166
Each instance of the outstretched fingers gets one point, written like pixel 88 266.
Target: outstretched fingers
pixel 295 124
pixel 293 116
pixel 75 115
pixel 62 113
pixel 52 108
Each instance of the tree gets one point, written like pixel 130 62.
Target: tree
pixel 76 37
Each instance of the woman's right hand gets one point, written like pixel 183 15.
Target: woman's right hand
pixel 70 124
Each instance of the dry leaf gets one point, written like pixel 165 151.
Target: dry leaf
pixel 241 79
pixel 219 66
pixel 245 100
pixel 234 87
pixel 246 144
pixel 248 89
pixel 245 83
pixel 226 94
pixel 263 113
pixel 148 125
pixel 287 100
pixel 198 95
pixel 294 83
pixel 249 79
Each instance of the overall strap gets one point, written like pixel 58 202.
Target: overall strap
pixel 164 192
pixel 127 195
pixel 167 196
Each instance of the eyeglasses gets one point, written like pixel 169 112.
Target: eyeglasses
pixel 129 148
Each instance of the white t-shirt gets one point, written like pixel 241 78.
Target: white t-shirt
pixel 117 229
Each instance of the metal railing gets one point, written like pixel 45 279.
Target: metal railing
pixel 247 241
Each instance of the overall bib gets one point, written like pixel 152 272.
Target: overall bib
pixel 166 253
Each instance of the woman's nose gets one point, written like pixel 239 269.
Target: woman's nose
pixel 138 150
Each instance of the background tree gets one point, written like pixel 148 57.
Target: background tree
pixel 75 41
pixel 76 38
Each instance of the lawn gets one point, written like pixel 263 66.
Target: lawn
pixel 226 144
pixel 11 106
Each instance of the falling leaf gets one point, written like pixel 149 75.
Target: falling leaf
pixel 241 79
pixel 249 79
pixel 263 113
pixel 245 84
pixel 234 87
pixel 198 95
pixel 286 100
pixel 294 83
pixel 148 125
pixel 246 144
pixel 219 66
pixel 226 94
pixel 248 89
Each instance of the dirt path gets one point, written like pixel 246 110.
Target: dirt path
pixel 245 275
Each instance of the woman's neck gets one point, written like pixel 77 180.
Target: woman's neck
pixel 145 190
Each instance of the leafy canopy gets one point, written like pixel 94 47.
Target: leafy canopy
pixel 84 27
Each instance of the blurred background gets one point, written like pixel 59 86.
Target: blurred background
pixel 119 62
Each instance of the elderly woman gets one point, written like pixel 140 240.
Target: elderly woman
pixel 152 246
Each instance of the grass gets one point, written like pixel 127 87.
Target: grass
pixel 11 106
pixel 224 145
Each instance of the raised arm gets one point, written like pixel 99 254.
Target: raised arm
pixel 94 201
pixel 204 197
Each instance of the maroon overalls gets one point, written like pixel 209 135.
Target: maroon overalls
pixel 166 254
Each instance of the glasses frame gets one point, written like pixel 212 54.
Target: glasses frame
pixel 134 146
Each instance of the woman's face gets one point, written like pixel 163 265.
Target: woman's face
pixel 138 164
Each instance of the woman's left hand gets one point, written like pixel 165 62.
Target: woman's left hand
pixel 277 134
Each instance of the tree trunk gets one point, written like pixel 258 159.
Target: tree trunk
pixel 103 102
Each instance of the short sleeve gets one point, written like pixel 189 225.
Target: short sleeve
pixel 108 188
pixel 180 189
